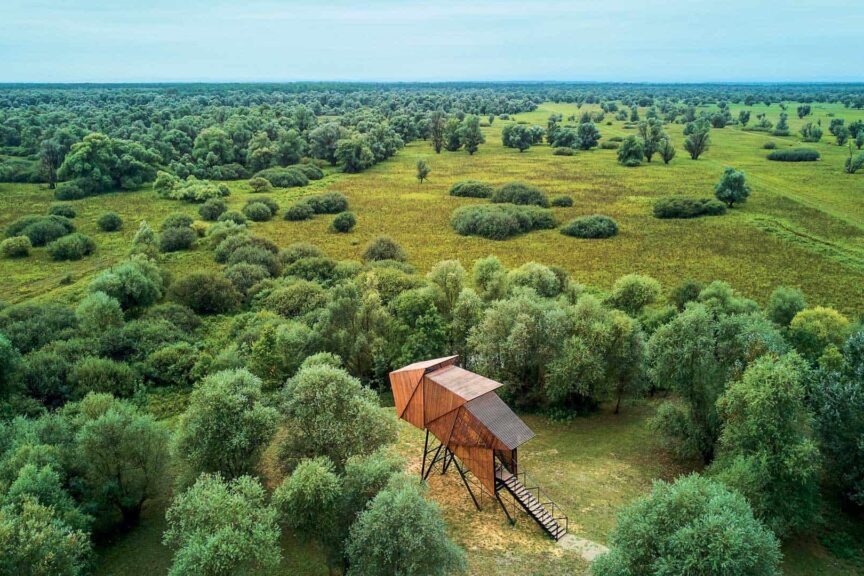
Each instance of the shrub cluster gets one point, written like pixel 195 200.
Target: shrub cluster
pixel 520 193
pixel 498 222
pixel 293 177
pixel 794 155
pixel 259 210
pixel 562 201
pixel 110 222
pixel 299 211
pixel 563 151
pixel 472 189
pixel 232 216
pixel 189 190
pixel 687 207
pixel 212 209
pixel 344 222
pixel 71 247
pixel 64 210
pixel 15 247
pixel 328 203
pixel 595 226
pixel 40 229
pixel 177 238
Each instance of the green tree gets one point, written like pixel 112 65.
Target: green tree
pixel 516 136
pixel 631 151
pixel 588 134
pixel 329 413
pixel 666 150
pixel 123 454
pixel 692 526
pixel 452 135
pixel 633 292
pixel 803 110
pixel 103 163
pixel 136 283
pixel 423 170
pixel 213 147
pixel 744 117
pixel 36 543
pixel 10 363
pixel 698 138
pixel 814 330
pixel 766 448
pixel 98 312
pixel 811 132
pixel 220 528
pixel 732 187
pixel 783 304
pixel 324 141
pixel 437 121
pixel 652 134
pixel 354 153
pixel 226 426
pixel 401 533
pixel 470 134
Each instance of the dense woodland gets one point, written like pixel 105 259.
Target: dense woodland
pixel 286 349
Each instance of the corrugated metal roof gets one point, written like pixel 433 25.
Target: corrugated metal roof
pixel 465 384
pixel 501 421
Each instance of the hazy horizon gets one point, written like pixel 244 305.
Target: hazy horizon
pixel 100 41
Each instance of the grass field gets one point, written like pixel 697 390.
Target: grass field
pixel 803 226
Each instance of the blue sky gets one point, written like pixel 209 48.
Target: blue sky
pixel 268 40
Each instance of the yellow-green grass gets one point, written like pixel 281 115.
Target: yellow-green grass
pixel 803 226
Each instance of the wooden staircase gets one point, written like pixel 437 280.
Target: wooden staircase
pixel 531 499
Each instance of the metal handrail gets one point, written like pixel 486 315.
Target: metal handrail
pixel 543 499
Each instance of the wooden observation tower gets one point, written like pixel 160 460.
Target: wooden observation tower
pixel 476 431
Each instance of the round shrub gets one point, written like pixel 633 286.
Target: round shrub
pixel 630 152
pixel 609 145
pixel 206 292
pixel 15 247
pixel 520 193
pixel 212 209
pixel 266 201
pixel 252 254
pixel 500 221
pixel 794 155
pixel 297 299
pixel 110 222
pixel 770 146
pixel 344 222
pixel 172 365
pixel 258 185
pixel 177 220
pixel 687 207
pixel 71 191
pixel 692 526
pixel 71 247
pixel 472 189
pixel 244 275
pixel 299 211
pixel 176 314
pixel 328 203
pixel 384 248
pixel 176 239
pixel 40 229
pixel 311 171
pixel 227 246
pixel 284 177
pixel 101 375
pixel 64 210
pixel 596 226
pixel 563 151
pixel 98 312
pixel 233 216
pixel 298 251
pixel 257 212
pixel 562 201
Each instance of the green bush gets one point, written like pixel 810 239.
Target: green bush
pixel 40 229
pixel 71 247
pixel 72 190
pixel 257 212
pixel 15 247
pixel 770 145
pixel 172 365
pixel 232 216
pixel 206 292
pixel 794 155
pixel 520 193
pixel 252 254
pixel 176 220
pixel 562 201
pixel 384 248
pixel 284 177
pixel 175 239
pixel 344 222
pixel 110 222
pixel 609 145
pixel 498 222
pixel 298 251
pixel 687 207
pixel 212 209
pixel 328 203
pixel 102 375
pixel 244 275
pixel 692 526
pixel 472 189
pixel 311 171
pixel 595 226
pixel 266 201
pixel 563 151
pixel 64 210
pixel 299 211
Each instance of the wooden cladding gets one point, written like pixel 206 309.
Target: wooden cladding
pixel 461 409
